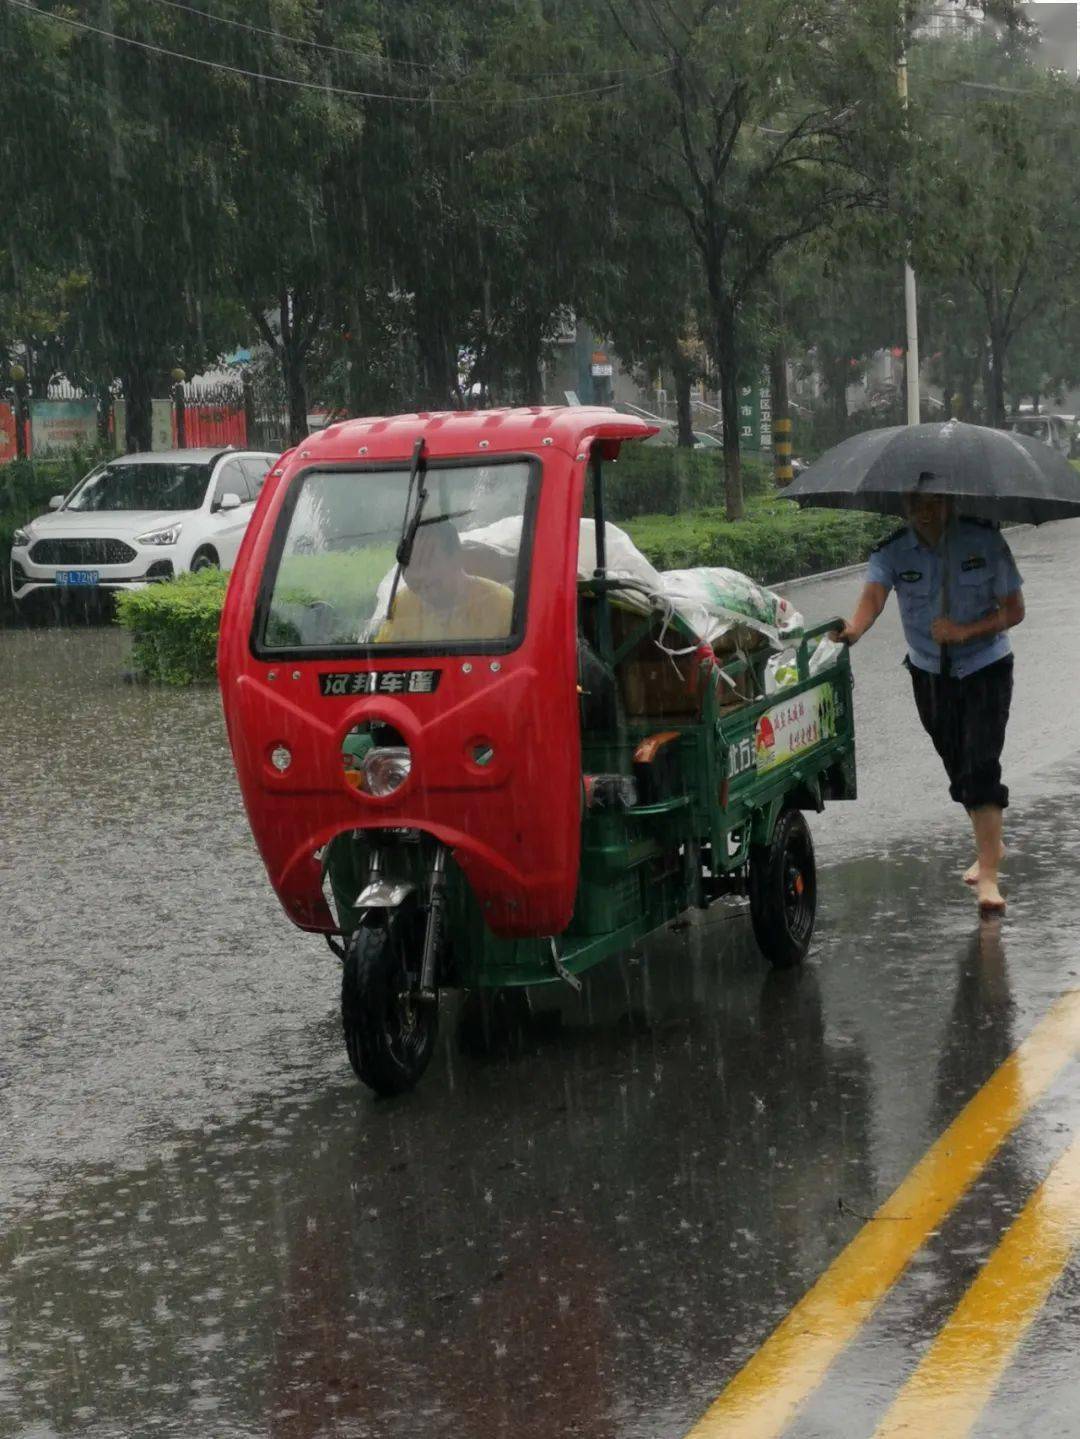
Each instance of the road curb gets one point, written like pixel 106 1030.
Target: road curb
pixel 822 575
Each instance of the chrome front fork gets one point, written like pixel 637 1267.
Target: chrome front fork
pixel 433 932
pixel 380 893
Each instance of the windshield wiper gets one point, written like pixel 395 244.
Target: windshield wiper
pixel 414 509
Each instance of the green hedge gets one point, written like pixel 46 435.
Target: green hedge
pixel 666 480
pixel 776 541
pixel 174 627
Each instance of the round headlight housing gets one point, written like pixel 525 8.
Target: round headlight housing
pixel 386 768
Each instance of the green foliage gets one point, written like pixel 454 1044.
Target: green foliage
pixel 344 583
pixel 648 173
pixel 668 480
pixel 996 214
pixel 174 627
pixel 345 579
pixel 776 541
pixel 771 121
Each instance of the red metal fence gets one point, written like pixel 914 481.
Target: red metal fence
pixel 212 425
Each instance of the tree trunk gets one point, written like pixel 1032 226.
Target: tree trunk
pixel 996 376
pixel 439 388
pixel 680 369
pixel 947 394
pixel 987 385
pixel 22 418
pixel 967 391
pixel 532 371
pixel 727 371
pixel 104 416
pixel 834 373
pixel 295 376
pixel 139 410
pixel 248 385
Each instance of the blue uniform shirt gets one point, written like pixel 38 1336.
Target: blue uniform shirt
pixel 981 573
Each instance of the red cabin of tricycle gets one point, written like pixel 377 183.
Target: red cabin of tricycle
pixel 312 651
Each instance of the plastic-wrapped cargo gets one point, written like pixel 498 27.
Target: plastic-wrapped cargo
pixel 712 600
pixel 781 669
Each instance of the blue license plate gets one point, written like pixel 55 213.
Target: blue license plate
pixel 78 577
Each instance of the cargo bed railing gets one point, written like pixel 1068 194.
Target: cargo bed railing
pixel 802 652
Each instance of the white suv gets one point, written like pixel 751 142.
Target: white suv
pixel 141 518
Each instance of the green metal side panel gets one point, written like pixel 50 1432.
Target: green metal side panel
pixel 636 864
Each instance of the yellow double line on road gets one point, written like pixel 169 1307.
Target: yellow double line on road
pixel 764 1396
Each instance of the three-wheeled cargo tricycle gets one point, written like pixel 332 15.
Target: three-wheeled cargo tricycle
pixel 470 759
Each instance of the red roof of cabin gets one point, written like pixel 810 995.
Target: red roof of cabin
pixel 462 432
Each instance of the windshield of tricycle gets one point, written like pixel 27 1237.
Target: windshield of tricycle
pixel 333 580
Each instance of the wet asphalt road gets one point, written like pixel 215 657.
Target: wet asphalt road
pixel 211 1229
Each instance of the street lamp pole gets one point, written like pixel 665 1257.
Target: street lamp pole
pixel 911 309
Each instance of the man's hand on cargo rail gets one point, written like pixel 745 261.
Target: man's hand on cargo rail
pixel 871 603
pixel 845 636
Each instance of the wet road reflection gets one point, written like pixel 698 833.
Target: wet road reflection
pixel 211 1229
pixel 514 1248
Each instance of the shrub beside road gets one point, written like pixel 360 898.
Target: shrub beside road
pixel 775 542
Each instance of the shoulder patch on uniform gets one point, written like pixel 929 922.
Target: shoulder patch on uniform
pixel 883 544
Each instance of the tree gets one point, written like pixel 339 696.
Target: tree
pixel 995 195
pixel 759 124
pixel 131 215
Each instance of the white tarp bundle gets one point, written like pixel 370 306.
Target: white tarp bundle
pixel 712 601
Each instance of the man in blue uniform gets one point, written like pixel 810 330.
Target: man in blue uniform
pixel 959 593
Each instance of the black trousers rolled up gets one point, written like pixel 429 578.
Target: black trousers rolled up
pixel 966 719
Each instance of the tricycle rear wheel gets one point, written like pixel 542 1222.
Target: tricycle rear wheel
pixel 783 891
pixel 389 1031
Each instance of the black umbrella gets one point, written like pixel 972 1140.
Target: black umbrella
pixel 990 474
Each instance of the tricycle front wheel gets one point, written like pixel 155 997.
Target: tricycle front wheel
pixel 783 891
pixel 389 1030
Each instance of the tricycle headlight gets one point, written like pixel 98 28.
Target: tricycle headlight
pixel 167 536
pixel 19 539
pixel 386 769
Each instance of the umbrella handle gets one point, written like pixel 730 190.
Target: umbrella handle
pixel 944 601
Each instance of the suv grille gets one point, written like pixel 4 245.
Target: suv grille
pixel 82 552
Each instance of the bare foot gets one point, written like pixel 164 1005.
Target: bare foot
pixel 971 876
pixel 990 897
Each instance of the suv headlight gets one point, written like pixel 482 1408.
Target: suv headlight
pixel 386 769
pixel 167 536
pixel 19 539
